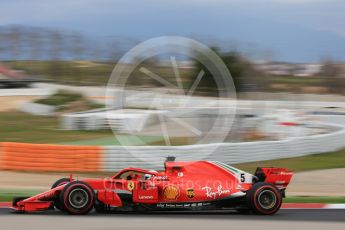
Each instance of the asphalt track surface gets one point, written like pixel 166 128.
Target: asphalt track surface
pixel 291 219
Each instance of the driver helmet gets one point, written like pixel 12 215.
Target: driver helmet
pixel 148 176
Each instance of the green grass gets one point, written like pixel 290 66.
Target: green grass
pixel 315 199
pixel 176 141
pixel 22 127
pixel 67 100
pixel 119 140
pixel 60 98
pixel 7 195
pixel 311 162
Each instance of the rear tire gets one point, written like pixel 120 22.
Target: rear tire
pixel 77 198
pixel 264 198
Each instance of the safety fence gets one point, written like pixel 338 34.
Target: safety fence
pixel 47 157
pixel 115 157
pixel 59 158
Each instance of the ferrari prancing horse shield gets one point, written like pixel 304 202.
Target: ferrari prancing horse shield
pixel 130 185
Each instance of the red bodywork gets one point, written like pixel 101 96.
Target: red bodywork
pixel 180 185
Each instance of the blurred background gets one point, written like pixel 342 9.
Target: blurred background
pixel 286 59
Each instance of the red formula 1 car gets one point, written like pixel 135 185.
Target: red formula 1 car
pixel 199 185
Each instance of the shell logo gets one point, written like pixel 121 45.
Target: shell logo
pixel 171 192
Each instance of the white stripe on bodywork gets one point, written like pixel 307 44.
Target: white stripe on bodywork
pixel 234 171
pixel 216 163
pixel 237 194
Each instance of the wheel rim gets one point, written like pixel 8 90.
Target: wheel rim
pixel 267 199
pixel 78 198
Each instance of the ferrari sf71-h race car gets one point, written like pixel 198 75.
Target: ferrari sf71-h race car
pixel 199 185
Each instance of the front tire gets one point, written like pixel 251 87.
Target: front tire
pixel 264 198
pixel 58 183
pixel 77 198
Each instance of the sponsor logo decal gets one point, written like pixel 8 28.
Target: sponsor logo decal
pixel 162 178
pixel 210 193
pixel 145 197
pixel 171 192
pixel 190 193
pixel 130 185
pixel 182 205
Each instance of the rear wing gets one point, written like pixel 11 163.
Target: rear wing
pixel 280 177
